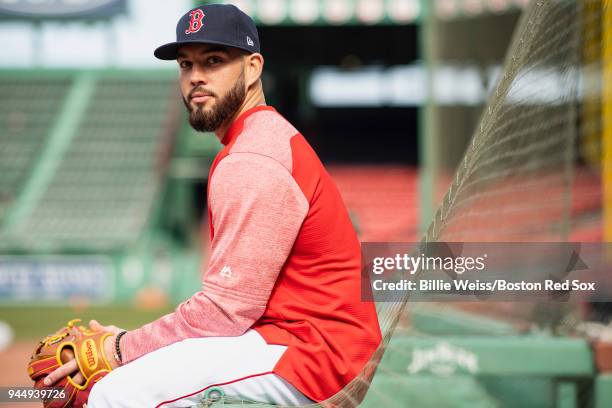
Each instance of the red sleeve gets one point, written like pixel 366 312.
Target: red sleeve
pixel 257 210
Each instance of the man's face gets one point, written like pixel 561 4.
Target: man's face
pixel 212 84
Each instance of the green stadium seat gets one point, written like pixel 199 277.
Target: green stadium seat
pixel 103 191
pixel 28 107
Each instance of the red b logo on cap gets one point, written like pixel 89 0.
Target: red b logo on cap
pixel 196 21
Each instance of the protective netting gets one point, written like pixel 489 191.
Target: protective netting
pixel 530 172
pixel 515 180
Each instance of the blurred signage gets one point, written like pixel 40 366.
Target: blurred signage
pixel 443 359
pixel 451 85
pixel 407 85
pixel 55 278
pixel 60 9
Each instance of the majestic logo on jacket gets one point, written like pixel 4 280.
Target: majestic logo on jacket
pixel 195 24
pixel 226 272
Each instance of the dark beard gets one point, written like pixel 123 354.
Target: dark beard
pixel 210 121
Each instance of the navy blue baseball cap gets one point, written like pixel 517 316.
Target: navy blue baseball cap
pixel 223 24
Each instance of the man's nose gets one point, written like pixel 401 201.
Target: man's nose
pixel 198 76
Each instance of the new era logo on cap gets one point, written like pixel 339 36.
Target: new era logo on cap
pixel 221 24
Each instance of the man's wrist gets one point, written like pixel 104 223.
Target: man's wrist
pixel 109 351
pixel 117 348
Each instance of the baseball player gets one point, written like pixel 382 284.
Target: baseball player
pixel 279 318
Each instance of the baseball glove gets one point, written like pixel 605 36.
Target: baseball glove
pixel 72 341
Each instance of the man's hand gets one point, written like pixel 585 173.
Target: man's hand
pixel 71 366
pixel 109 343
pixel 95 326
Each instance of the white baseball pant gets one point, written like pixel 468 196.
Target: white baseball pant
pixel 181 374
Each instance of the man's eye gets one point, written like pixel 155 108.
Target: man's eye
pixel 185 64
pixel 214 60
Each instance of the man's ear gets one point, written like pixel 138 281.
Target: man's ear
pixel 253 68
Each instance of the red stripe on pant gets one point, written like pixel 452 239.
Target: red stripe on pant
pixel 214 385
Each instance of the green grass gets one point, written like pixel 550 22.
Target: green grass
pixel 31 323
